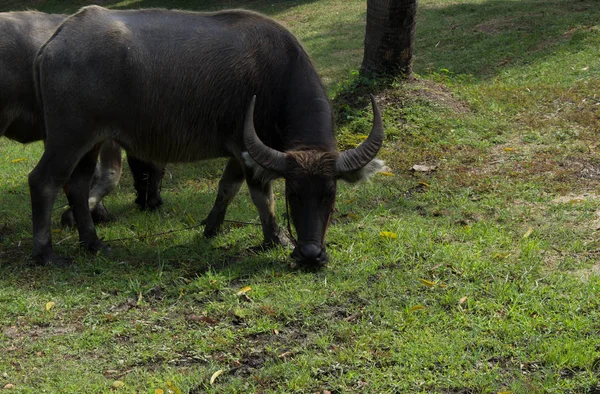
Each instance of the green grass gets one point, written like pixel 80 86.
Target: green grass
pixel 490 286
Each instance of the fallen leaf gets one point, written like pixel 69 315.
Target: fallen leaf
pixel 528 232
pixel 215 376
pixel 427 283
pixel 463 300
pixel 509 149
pixel 109 372
pixel 118 383
pixel 244 290
pixel 8 386
pixel 172 388
pixel 388 234
pixel 424 184
pixel 422 168
pixel 50 305
pixel 286 354
pixel 159 391
pixel 501 256
pixel 417 308
pixel 20 159
pixel 191 219
pixel 386 173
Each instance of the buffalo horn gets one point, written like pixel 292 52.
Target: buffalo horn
pixel 267 157
pixel 355 159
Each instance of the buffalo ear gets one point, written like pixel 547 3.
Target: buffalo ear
pixel 372 167
pixel 259 172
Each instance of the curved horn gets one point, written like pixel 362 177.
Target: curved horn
pixel 355 159
pixel 268 158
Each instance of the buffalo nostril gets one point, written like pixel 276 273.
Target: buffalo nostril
pixel 310 251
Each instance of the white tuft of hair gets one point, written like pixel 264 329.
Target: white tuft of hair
pixel 372 167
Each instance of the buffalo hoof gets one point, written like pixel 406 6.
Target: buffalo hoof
pixel 99 215
pixel 211 228
pixel 97 247
pixel 67 220
pixel 54 260
pixel 149 203
pixel 209 232
pixel 280 239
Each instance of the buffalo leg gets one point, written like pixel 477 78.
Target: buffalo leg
pixel 146 180
pixel 46 179
pixel 264 200
pixel 106 179
pixel 79 197
pixel 229 185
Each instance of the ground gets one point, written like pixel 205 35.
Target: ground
pixel 477 273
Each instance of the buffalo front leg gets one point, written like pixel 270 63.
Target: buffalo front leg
pixel 108 174
pixel 264 200
pixel 146 181
pixel 79 196
pixel 229 185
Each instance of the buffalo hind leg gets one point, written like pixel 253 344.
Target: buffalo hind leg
pixel 229 185
pixel 46 179
pixel 146 180
pixel 79 197
pixel 106 178
pixel 264 200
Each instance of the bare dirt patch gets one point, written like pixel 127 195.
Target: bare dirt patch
pixel 575 198
pixel 495 26
pixel 409 92
pixel 18 333
pixel 427 90
pixel 587 273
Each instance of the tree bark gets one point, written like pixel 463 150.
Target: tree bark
pixel 389 38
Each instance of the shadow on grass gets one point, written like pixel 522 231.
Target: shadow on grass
pixel 482 40
pixel 142 259
pixel 486 38
pixel 144 246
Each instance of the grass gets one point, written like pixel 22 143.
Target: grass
pixel 479 277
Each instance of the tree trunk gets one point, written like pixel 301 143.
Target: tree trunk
pixel 389 38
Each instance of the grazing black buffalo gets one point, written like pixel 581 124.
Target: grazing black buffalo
pixel 21 36
pixel 176 86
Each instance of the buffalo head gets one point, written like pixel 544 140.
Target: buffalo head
pixel 311 181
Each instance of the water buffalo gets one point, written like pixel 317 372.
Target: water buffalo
pixel 21 35
pixel 178 86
